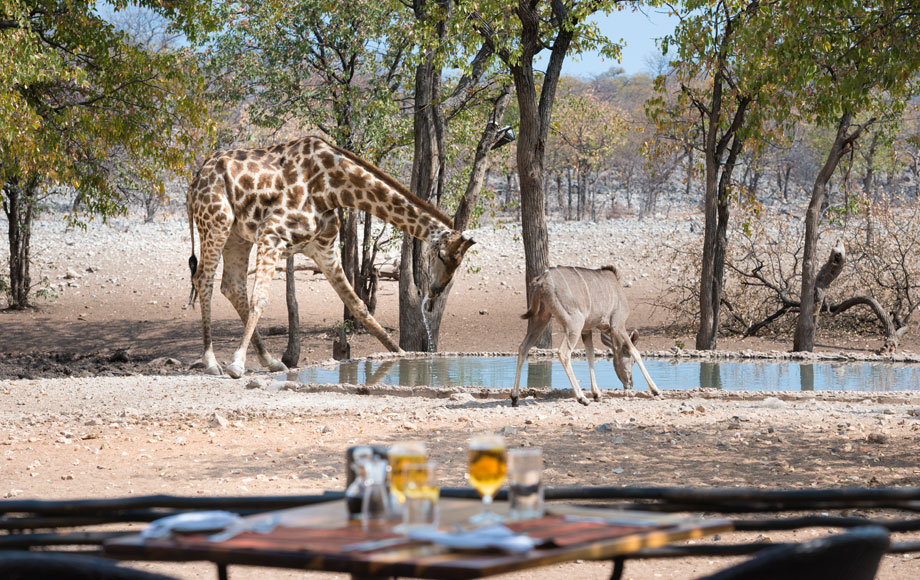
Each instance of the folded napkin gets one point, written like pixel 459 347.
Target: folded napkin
pixel 190 523
pixel 497 537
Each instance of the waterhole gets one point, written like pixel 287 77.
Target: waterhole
pixel 498 372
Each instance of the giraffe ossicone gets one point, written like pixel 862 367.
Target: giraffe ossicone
pixel 282 199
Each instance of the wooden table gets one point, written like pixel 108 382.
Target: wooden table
pixel 312 537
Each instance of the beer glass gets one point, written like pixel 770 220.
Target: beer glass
pixel 400 453
pixel 487 471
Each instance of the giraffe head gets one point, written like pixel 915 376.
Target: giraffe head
pixel 445 253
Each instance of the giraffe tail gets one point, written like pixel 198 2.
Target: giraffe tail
pixel 192 261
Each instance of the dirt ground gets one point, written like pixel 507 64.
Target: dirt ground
pixel 96 399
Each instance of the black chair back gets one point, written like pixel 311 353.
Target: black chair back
pixel 21 565
pixel 854 555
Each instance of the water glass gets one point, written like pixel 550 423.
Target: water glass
pixel 375 501
pixel 525 482
pixel 422 491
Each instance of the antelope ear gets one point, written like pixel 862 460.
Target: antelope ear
pixel 634 337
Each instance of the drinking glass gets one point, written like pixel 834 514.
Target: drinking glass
pixel 400 453
pixel 422 491
pixel 488 468
pixel 525 482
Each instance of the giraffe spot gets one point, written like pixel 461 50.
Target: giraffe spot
pixel 258 214
pixel 247 203
pixel 290 172
pixel 336 179
pixel 299 223
pixel 358 179
pixel 384 193
pixel 279 183
pixel 246 182
pixel 265 181
pixel 309 166
pixel 270 200
pixel 252 167
pixel 319 203
pixel 327 159
pixel 365 206
pixel 316 184
pixel 220 166
pixel 257 153
pixel 296 196
pixel 347 198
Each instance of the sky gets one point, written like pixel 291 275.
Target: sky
pixel 638 30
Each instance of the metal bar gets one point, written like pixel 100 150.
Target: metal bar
pixel 824 522
pixel 94 506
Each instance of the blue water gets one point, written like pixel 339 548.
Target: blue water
pixel 498 372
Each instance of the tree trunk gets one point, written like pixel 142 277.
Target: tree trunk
pixel 19 207
pixel 291 355
pixel 804 340
pixel 716 211
pixel 706 337
pixel 535 116
pixel 418 329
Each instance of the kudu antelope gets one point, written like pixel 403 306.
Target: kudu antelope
pixel 581 300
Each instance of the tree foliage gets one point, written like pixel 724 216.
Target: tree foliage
pixel 77 89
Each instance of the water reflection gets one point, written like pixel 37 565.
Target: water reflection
pixel 807 375
pixel 710 375
pixel 668 374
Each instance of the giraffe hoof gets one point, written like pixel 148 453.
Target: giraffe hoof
pixel 514 401
pixel 235 370
pixel 213 370
pixel 584 401
pixel 276 366
pixel 597 397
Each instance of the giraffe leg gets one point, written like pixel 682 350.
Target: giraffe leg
pixel 327 259
pixel 212 242
pixel 233 286
pixel 268 251
pixel 588 339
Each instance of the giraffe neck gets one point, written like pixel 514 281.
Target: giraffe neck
pixel 358 184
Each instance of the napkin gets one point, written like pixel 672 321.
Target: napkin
pixel 190 523
pixel 497 537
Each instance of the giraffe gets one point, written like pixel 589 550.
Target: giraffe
pixel 283 199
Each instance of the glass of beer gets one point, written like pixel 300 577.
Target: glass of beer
pixel 399 454
pixel 422 492
pixel 488 467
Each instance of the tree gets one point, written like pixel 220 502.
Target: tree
pixel 321 65
pixel 77 90
pixel 517 34
pixel 440 29
pixel 587 129
pixel 719 64
pixel 849 66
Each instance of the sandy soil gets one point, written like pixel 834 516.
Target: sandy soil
pixel 96 399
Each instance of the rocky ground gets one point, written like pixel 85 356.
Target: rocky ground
pixel 96 399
